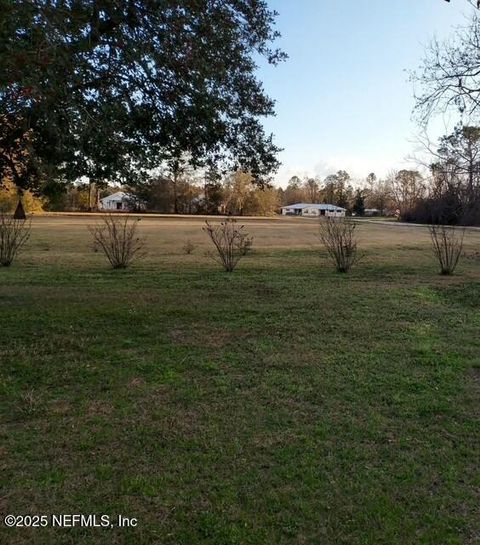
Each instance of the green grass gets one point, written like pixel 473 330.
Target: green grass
pixel 280 404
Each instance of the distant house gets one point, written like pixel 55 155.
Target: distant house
pixel 372 212
pixel 120 201
pixel 313 210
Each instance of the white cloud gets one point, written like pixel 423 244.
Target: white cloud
pixel 358 167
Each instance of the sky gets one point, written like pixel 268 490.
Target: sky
pixel 343 97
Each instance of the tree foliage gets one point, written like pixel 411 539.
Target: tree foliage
pixel 9 199
pixel 454 192
pixel 359 203
pixel 108 89
pixel 460 152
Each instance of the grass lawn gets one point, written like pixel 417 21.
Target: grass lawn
pixel 280 404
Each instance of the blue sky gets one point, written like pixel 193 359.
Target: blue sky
pixel 343 96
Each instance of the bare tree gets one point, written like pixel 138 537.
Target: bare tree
pixel 408 187
pixel 472 2
pixel 450 74
pixel 453 185
pixel 338 237
pixel 379 195
pixel 117 238
pixel 230 241
pixel 447 245
pixel 14 233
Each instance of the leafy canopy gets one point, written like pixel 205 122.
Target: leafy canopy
pixel 108 89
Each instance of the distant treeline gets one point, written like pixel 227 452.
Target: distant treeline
pixel 199 193
pixel 447 192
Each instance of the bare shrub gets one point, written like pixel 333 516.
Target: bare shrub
pixel 117 238
pixel 189 247
pixel 230 241
pixel 447 245
pixel 246 244
pixel 14 234
pixel 338 237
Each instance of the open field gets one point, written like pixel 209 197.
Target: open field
pixel 280 404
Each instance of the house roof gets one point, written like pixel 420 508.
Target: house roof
pixel 118 196
pixel 302 205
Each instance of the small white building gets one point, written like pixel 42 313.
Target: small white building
pixel 313 210
pixel 120 201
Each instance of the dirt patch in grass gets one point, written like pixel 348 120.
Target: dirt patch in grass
pixel 99 408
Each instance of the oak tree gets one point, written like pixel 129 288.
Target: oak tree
pixel 108 90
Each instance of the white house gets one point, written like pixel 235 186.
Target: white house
pixel 120 201
pixel 313 210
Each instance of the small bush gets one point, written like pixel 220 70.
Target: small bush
pixel 230 241
pixel 14 234
pixel 338 237
pixel 246 244
pixel 117 238
pixel 447 245
pixel 189 247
